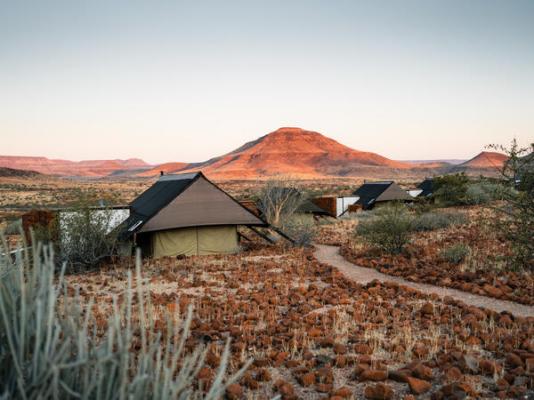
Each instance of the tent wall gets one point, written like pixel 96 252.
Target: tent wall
pixel 201 204
pixel 195 241
pixel 343 204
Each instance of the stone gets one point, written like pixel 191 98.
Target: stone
pixel 399 376
pixel 454 374
pixel 374 375
pixel 379 391
pixel 343 392
pixel 427 309
pixel 263 375
pixel 423 372
pixel 362 349
pixel 487 367
pixel 513 360
pixel 323 387
pixel 307 379
pixel 493 291
pixel 340 348
pixel 418 386
pixel 234 391
pixel 286 390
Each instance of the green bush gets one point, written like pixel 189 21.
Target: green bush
pixel 450 190
pixel 13 228
pixel 302 229
pixel 50 347
pixel 455 254
pixel 477 195
pixel 387 228
pixel 484 192
pixel 87 237
pixel 437 220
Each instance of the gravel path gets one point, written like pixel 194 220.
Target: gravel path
pixel 330 255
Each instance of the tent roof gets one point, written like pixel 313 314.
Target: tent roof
pixel 371 192
pixel 426 187
pixel 166 190
pixel 309 206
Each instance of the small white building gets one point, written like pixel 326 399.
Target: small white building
pixel 343 203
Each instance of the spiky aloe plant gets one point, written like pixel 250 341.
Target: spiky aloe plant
pixel 50 347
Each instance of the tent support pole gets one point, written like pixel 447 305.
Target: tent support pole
pixel 243 236
pixel 262 235
pixel 274 228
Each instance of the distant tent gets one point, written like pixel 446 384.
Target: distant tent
pixel 186 214
pixel 371 193
pixel 309 207
pixel 426 187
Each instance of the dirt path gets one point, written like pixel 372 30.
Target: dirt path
pixel 330 255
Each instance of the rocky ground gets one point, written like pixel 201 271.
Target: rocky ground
pixel 314 334
pixel 483 272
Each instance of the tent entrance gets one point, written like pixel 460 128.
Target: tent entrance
pixel 204 240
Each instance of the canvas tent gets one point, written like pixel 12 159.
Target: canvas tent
pixel 186 214
pixel 309 207
pixel 426 188
pixel 372 193
pixel 335 206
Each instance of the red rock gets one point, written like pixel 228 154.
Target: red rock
pixel 307 379
pixel 513 360
pixel 263 375
pixel 341 361
pixel 420 350
pixel 502 384
pixel 423 372
pixel 325 375
pixel 427 309
pixel 487 367
pixel 454 374
pixel 205 373
pixel 493 291
pixel 362 349
pixel 374 375
pixel 343 392
pixel 340 348
pixel 378 391
pixel 314 332
pixel 280 358
pixel 399 376
pixel 418 386
pixel 285 389
pixel 234 391
pixel 323 387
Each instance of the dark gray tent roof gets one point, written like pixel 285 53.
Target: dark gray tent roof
pixel 371 192
pixel 427 187
pixel 165 191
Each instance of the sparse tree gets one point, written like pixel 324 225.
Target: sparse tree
pixel 87 237
pixel 279 199
pixel 518 210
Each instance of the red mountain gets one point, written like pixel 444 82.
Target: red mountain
pixel 486 159
pixel 95 168
pixel 296 152
pixel 167 168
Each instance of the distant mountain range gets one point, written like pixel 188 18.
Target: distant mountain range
pixel 289 151
pixel 89 168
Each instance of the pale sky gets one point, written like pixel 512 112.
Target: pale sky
pixel 189 80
